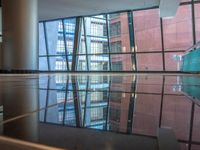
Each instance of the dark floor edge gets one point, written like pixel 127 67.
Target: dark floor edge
pixel 116 72
pixel 19 71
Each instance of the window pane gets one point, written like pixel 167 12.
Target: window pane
pixel 173 61
pixel 178 30
pixel 195 147
pixel 119 33
pixel 42 45
pixel 58 63
pixel 98 46
pixel 176 115
pixel 196 124
pixel 96 116
pixel 82 63
pixel 98 62
pixel 116 47
pixel 53 36
pixel 70 62
pixel 115 29
pixel 42 103
pixel 69 25
pixel 53 115
pixel 149 84
pixel 43 65
pixel 82 46
pixel 147 30
pixel 121 62
pixel 96 33
pixel 70 118
pixel 173 85
pixel 184 146
pixel 146 114
pixel 149 62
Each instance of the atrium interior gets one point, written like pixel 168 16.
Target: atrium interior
pixel 100 75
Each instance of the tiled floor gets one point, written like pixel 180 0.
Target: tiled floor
pixel 100 111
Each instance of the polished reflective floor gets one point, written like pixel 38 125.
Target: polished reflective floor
pixel 100 111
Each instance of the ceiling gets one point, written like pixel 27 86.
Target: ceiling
pixel 54 9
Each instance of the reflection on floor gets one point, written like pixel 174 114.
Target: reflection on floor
pixel 52 109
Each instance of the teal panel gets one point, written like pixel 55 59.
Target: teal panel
pixel 191 61
pixel 191 86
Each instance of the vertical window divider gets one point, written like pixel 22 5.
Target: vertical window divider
pixel 191 125
pixel 108 37
pixel 131 106
pixel 162 44
pixel 46 44
pixel 65 44
pixel 65 103
pixel 132 39
pixel 161 103
pixel 193 22
pixel 77 103
pixel 77 38
pixel 108 105
pixel 86 43
pixel 47 99
pixel 86 101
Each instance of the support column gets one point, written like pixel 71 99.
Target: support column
pixel 20 35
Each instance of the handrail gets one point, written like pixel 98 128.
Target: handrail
pixel 194 47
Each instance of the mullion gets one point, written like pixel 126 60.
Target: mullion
pixel 46 44
pixel 131 108
pixel 117 53
pixel 193 23
pixel 86 100
pixel 108 107
pixel 161 103
pixel 65 103
pixel 162 43
pixel 76 43
pixel 86 43
pixel 47 99
pixel 191 125
pixel 132 38
pixel 108 38
pixel 77 105
pixel 65 43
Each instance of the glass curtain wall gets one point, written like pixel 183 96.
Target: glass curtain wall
pixel 56 40
pixel 126 41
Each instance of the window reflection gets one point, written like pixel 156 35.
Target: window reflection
pixel 106 102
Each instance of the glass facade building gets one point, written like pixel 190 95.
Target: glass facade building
pixel 127 41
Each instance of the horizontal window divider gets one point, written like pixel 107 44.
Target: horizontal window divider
pixel 108 53
pixel 98 17
pixel 175 51
pixel 186 3
pixel 107 91
pixel 192 142
pixel 54 55
pixel 95 36
pixel 119 72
